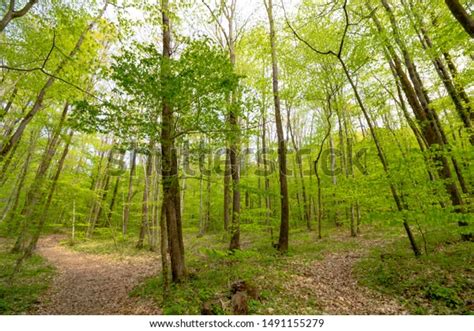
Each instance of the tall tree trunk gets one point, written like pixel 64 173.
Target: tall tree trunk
pixel 202 221
pixel 350 175
pixel 381 156
pixel 461 15
pixel 208 196
pixel 164 250
pixel 234 147
pixel 185 165
pixel 334 179
pixel 156 212
pixel 284 224
pixel 423 113
pixel 463 109
pixel 299 162
pixel 169 162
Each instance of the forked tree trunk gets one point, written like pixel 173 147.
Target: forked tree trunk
pixel 12 13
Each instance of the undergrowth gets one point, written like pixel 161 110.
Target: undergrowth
pixel 19 293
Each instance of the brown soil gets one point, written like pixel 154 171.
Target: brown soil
pixel 93 284
pixel 335 288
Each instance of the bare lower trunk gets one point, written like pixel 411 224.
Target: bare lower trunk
pixel 284 222
pixel 170 163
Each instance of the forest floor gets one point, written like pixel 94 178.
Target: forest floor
pixel 93 284
pixel 315 277
pixel 374 273
pixel 335 287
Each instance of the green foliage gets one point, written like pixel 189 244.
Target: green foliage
pixel 439 282
pixel 19 293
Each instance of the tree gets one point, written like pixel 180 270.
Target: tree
pixel 461 15
pixel 284 224
pixel 13 13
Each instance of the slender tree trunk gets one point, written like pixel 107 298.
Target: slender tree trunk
pixel 334 180
pixel 316 167
pixel 234 147
pixel 350 175
pixel 381 156
pixel 227 190
pixel 9 104
pixel 102 188
pixel 9 213
pixel 185 165
pixel 145 225
pixel 33 197
pixel 299 162
pixel 426 118
pixel 115 191
pixel 38 103
pixel 208 196
pixel 126 212
pixel 202 221
pixel 268 205
pixel 284 224
pixel 44 214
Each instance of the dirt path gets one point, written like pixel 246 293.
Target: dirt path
pixel 93 284
pixel 332 283
pixel 96 284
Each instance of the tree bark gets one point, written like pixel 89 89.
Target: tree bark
pixel 44 214
pixel 145 225
pixel 461 15
pixel 299 163
pixel 382 158
pixel 169 161
pixel 227 190
pixel 12 13
pixel 234 146
pixel 126 212
pixel 419 102
pixel 284 222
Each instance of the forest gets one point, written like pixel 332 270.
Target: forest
pixel 265 157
